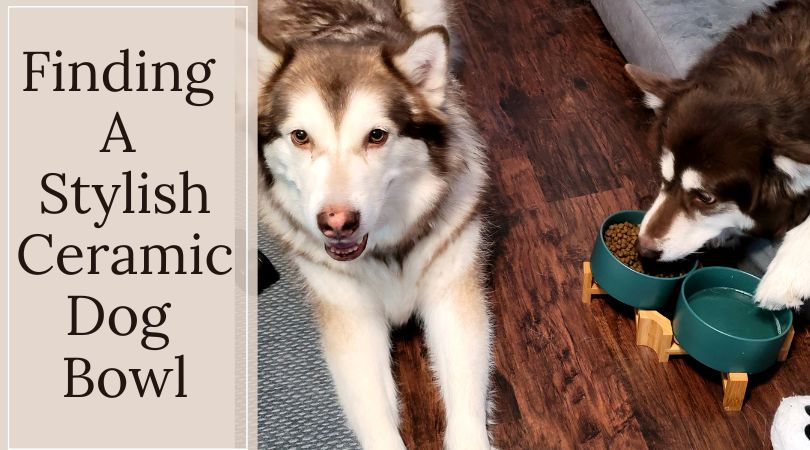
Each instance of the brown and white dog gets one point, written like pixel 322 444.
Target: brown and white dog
pixel 734 136
pixel 372 178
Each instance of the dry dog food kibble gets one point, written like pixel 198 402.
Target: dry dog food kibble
pixel 621 241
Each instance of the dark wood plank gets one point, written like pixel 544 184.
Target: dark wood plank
pixel 568 142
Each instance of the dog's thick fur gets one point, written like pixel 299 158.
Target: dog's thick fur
pixel 735 142
pixel 338 70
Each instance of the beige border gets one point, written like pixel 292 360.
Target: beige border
pixel 248 438
pixel 5 263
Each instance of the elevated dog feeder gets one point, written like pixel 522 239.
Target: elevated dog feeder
pixel 715 319
pixel 654 330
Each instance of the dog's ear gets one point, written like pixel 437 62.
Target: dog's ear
pixel 268 60
pixel 424 64
pixel 658 88
pixel 796 150
pixel 792 158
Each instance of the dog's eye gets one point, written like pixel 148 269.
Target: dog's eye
pixel 377 137
pixel 704 197
pixel 299 138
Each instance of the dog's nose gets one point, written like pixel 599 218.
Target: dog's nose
pixel 338 222
pixel 646 248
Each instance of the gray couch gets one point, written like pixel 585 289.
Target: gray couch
pixel 668 36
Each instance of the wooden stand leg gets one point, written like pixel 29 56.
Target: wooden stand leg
pixel 655 331
pixel 734 386
pixel 783 352
pixel 589 287
pixel 587 282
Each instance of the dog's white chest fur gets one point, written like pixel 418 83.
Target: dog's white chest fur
pixel 395 288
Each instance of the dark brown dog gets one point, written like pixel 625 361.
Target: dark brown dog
pixel 735 149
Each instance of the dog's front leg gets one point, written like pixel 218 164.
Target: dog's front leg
pixel 357 349
pixel 786 283
pixel 458 334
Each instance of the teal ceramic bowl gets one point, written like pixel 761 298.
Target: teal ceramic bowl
pixel 717 322
pixel 625 284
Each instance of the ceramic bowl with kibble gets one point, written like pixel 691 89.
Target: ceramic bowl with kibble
pixel 617 269
pixel 717 322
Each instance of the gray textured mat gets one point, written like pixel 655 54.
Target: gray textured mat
pixel 298 406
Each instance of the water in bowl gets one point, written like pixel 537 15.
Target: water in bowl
pixel 734 312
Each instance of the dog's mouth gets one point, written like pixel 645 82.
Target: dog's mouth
pixel 346 250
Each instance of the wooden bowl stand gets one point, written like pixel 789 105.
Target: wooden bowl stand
pixel 654 330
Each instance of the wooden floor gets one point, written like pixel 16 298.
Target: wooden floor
pixel 568 143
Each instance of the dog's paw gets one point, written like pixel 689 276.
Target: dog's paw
pixel 785 284
pixel 467 438
pixel 791 424
pixel 774 293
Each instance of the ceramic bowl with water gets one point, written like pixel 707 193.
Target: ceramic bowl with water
pixel 717 322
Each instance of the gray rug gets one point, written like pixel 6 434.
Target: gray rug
pixel 298 406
